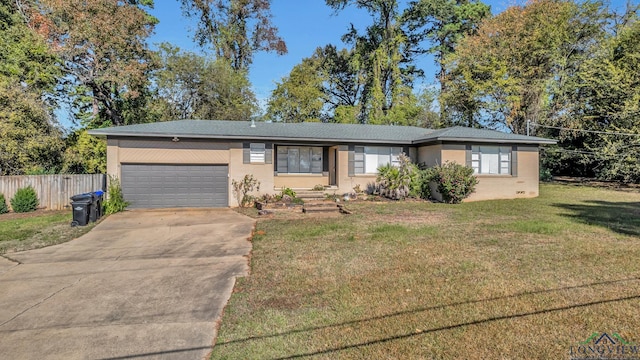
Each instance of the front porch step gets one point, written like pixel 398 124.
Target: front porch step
pixel 310 195
pixel 324 207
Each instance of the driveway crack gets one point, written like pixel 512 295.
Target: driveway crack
pixel 40 302
pixel 10 259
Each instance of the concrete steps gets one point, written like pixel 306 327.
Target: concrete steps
pixel 310 195
pixel 323 207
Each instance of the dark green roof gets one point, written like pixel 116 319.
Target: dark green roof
pixel 317 132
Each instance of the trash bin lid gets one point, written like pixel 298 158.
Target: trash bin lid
pixel 82 197
pixel 99 192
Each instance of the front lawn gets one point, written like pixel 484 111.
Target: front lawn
pixel 516 279
pixel 37 229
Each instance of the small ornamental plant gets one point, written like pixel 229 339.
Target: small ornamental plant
pixel 243 188
pixel 25 200
pixel 454 182
pixel 115 203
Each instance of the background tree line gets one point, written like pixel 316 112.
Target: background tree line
pixel 570 68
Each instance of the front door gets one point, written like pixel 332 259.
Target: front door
pixel 333 162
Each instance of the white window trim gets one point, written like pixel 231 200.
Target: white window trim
pixel 504 155
pixel 394 158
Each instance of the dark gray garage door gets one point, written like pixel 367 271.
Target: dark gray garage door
pixel 161 186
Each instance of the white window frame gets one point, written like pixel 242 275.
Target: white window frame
pixel 257 153
pixel 491 159
pixel 367 159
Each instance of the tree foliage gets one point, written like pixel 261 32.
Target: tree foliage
pixel 299 96
pixel 511 69
pixel 190 86
pixel 235 29
pixel 443 23
pixel 103 53
pixel 379 52
pixel 606 98
pixel 31 140
pixel 84 154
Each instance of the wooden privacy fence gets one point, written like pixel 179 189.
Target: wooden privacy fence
pixel 53 191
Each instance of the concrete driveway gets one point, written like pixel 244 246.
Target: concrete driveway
pixel 141 284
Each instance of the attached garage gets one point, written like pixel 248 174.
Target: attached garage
pixel 175 185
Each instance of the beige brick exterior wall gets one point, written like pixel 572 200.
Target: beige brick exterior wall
pixel 430 155
pixel 524 185
pixel 299 181
pixel 165 151
pixel 237 171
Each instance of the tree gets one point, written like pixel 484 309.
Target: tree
pixel 609 101
pixel 24 57
pixel 226 93
pixel 190 86
pixel 299 97
pixel 512 70
pixel 84 154
pixel 343 84
pixel 442 23
pixel 102 51
pixel 379 53
pixel 236 29
pixel 31 141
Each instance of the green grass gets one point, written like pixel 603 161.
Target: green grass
pixel 525 278
pixel 35 230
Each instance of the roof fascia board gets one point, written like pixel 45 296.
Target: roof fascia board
pixel 245 138
pixel 481 140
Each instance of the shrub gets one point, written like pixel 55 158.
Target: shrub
pixel 454 182
pixel 545 174
pixel 399 182
pixel 25 200
pixel 318 188
pixel 3 205
pixel 289 192
pixel 243 187
pixel 115 203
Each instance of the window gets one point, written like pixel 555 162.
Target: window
pixel 299 160
pixel 257 153
pixel 494 160
pixel 367 159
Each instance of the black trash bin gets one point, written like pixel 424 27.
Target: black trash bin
pixel 99 198
pixel 81 209
pixel 95 212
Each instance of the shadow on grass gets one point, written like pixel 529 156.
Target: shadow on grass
pixel 443 328
pixel 621 217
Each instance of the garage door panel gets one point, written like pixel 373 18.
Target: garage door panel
pixel 160 185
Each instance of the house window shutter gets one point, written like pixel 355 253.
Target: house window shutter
pixel 514 161
pixel 467 155
pixel 352 156
pixel 246 153
pixel 268 153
